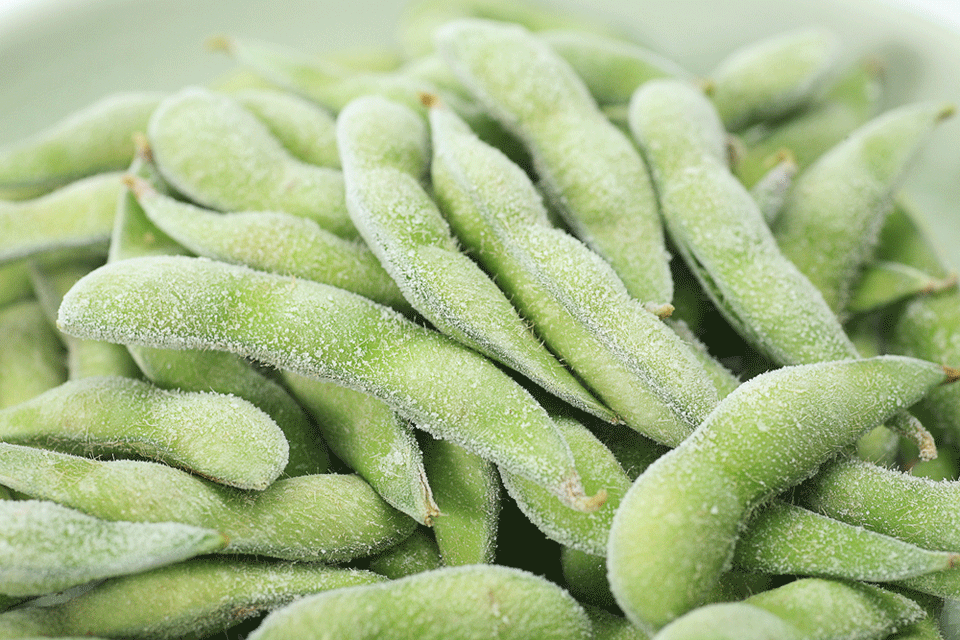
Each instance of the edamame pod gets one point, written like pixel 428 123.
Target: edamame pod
pixel 321 517
pixel 15 281
pixel 589 169
pixel 218 154
pixel 676 528
pixel 223 438
pixel 31 355
pixel 47 548
pixel 644 371
pixel 771 78
pixel 328 333
pixel 78 215
pixel 93 140
pixel 830 223
pixel 271 241
pixel 372 440
pixel 883 283
pixel 385 151
pixel 189 599
pixel 477 601
pixel 416 554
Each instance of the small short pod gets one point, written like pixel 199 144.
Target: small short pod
pixel 480 601
pixel 676 528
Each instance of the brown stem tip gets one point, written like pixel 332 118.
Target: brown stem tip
pixel 429 100
pixel 952 373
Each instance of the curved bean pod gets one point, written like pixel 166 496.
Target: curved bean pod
pixel 211 149
pixel 416 554
pixel 93 140
pixel 31 355
pixel 223 438
pixel 328 333
pixel 883 283
pixel 15 281
pixel 372 440
pixel 676 528
pixel 321 517
pixel 189 599
pixel 589 169
pixel 644 371
pixel 48 548
pixel 464 602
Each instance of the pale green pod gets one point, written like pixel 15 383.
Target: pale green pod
pixel 783 539
pixel 467 492
pixel 320 517
pixel 222 438
pixel 589 169
pixel 229 374
pixel 328 333
pixel 85 358
pixel 212 150
pixel 806 609
pixel 15 281
pixel 32 358
pixel 924 629
pixel 905 239
pixel 78 215
pixel 772 190
pixel 882 283
pixel 607 626
pixel 720 232
pixel 271 241
pixel 585 577
pixel 190 599
pixel 832 219
pixel 676 528
pixel 773 77
pixel 612 68
pixel 643 370
pixel 371 439
pixel 385 151
pixel 852 100
pixel 416 554
pixel 479 601
pixel 96 139
pixel 599 471
pixel 306 130
pixel 47 548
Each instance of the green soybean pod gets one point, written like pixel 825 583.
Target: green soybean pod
pixel 385 150
pixel 272 241
pixel 589 169
pixel 905 239
pixel 882 283
pixel 328 333
pixel 838 204
pixel 677 526
pixel 772 190
pixel 643 370
pixel 15 281
pixel 212 150
pixel 48 548
pixel 599 470
pixel 190 599
pixel 223 438
pixel 805 609
pixel 416 554
pixel 773 77
pixel 326 517
pixel 95 139
pixel 479 601
pixel 32 358
pixel 612 68
pixel 468 493
pixel 371 439
pixel 305 129
pixel 76 216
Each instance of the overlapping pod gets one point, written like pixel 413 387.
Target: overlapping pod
pixel 31 355
pixel 78 215
pixel 479 601
pixel 325 332
pixel 385 149
pixel 676 528
pixel 589 169
pixel 416 554
pixel 223 438
pixel 272 241
pixel 806 609
pixel 832 219
pixel 211 149
pixel 321 517
pixel 640 368
pixel 194 598
pixel 96 139
pixel 45 547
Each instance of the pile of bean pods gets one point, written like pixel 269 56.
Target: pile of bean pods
pixel 518 331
